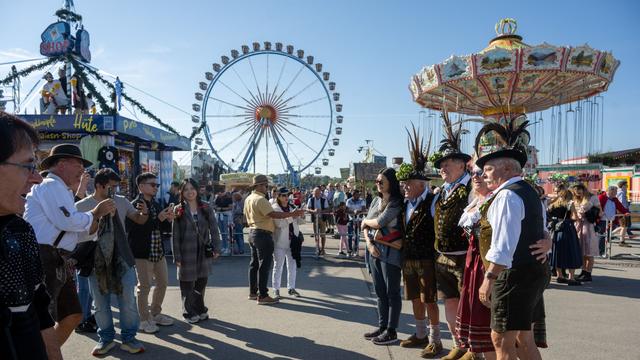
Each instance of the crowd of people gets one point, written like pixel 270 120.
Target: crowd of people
pixel 486 243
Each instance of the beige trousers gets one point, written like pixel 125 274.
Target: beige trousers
pixel 148 272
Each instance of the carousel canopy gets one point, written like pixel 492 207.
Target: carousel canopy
pixel 510 76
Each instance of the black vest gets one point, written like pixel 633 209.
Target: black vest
pixel 531 226
pixel 419 236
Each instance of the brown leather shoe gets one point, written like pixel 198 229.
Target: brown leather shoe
pixel 455 354
pixel 470 356
pixel 432 350
pixel 414 341
pixel 267 300
pixel 253 297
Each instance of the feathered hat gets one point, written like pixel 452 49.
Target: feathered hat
pixel 511 140
pixel 450 145
pixel 419 157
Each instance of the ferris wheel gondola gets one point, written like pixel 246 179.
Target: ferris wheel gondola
pixel 266 108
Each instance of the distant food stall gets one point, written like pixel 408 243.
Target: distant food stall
pixel 127 146
pixel 237 181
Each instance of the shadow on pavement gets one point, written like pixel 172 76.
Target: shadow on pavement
pixel 280 345
pixel 605 285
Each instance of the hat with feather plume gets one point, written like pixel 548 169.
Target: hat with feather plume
pixel 499 140
pixel 450 145
pixel 419 153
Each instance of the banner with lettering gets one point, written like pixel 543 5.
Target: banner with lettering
pixel 121 127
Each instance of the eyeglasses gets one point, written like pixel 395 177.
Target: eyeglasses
pixel 31 167
pixel 153 184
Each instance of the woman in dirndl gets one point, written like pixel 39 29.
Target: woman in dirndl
pixel 566 252
pixel 473 318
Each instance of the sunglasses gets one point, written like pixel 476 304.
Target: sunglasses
pixel 155 185
pixel 477 172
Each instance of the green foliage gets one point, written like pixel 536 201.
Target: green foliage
pixel 404 171
pixel 25 72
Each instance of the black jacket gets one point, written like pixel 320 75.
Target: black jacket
pixel 140 235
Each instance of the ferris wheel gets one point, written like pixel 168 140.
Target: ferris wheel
pixel 269 110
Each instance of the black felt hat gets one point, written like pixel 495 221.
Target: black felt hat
pixel 63 151
pixel 510 140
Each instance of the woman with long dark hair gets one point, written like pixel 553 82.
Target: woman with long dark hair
pixel 384 262
pixel 196 241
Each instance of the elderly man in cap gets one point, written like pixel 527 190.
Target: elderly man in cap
pixel 51 211
pixel 260 216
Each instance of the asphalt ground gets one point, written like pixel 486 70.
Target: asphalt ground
pixel 598 320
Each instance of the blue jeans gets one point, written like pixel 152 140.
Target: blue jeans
pixel 223 225
pixel 386 281
pixel 238 236
pixel 353 228
pixel 84 295
pixel 129 318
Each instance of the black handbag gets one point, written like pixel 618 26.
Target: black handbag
pixel 84 256
pixel 209 251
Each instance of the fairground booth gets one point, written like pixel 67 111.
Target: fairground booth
pixel 112 141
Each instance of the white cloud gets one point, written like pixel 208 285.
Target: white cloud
pixel 17 54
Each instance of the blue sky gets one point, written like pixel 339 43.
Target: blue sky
pixel 371 48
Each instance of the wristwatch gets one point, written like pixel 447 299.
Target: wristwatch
pixel 491 276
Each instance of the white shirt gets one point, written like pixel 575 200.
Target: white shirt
pixel 355 206
pixel 50 209
pixel 505 216
pixel 410 207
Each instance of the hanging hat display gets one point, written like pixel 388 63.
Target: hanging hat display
pixel 419 157
pixel 498 140
pixel 450 145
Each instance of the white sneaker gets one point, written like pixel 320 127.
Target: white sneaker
pixel 163 320
pixel 192 320
pixel 148 327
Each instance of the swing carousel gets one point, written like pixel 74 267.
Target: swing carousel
pixel 558 87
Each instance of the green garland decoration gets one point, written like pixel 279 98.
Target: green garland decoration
pixel 132 101
pixel 80 70
pixel 67 15
pixel 197 131
pixel 29 70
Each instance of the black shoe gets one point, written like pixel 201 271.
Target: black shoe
pixel 562 280
pixel 573 282
pixel 86 327
pixel 374 334
pixel 585 278
pixel 388 337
